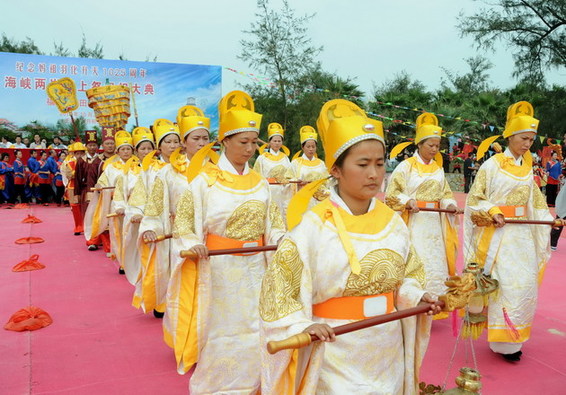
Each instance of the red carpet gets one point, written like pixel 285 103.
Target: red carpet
pixel 99 344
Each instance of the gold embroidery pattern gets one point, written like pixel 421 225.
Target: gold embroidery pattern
pixel 477 191
pixel 103 180
pixel 185 218
pixel 415 268
pixel 281 284
pixel 154 206
pixel 247 222
pixel 518 196
pixel 275 216
pixel 138 197
pixel 278 172
pixel 119 189
pixel 397 185
pixel 429 191
pixel 382 271
pixel 539 201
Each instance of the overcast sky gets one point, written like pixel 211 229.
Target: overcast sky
pixel 370 40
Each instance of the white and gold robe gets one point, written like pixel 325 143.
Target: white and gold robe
pixel 515 254
pixel 433 235
pixel 166 191
pixel 311 266
pixel 274 166
pixel 212 316
pixel 145 293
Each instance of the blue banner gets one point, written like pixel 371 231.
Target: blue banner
pixel 159 89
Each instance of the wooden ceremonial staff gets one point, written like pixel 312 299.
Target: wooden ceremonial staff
pixel 160 238
pixel 111 215
pixel 304 339
pixel 288 182
pixel 228 251
pixel 441 210
pixel 528 222
pixel 100 189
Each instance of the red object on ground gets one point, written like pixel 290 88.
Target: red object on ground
pixel 28 319
pixel 21 205
pixel 32 263
pixel 31 219
pixel 29 240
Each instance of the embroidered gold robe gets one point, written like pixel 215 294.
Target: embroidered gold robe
pixel 311 266
pixel 433 235
pixel 275 166
pixel 515 254
pixel 212 305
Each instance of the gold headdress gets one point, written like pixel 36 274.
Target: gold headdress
pixel 123 138
pixel 142 134
pixel 191 118
pixel 164 127
pixel 237 115
pixel 520 119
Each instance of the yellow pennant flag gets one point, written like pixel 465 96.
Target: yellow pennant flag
pixel 64 93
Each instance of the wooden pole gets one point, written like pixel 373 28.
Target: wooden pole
pixel 112 215
pixel 77 138
pixel 304 339
pixel 441 210
pixel 160 238
pixel 101 189
pixel 529 222
pixel 229 251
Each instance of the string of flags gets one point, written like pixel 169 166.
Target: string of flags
pixel 262 80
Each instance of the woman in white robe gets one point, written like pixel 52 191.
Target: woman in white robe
pixel 420 182
pixel 513 254
pixel 212 316
pixel 366 268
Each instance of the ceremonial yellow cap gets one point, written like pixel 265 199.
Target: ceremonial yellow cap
pixel 237 115
pixel 123 138
pixel 77 146
pixel 275 129
pixel 342 124
pixel 427 127
pixel 141 134
pixel 520 119
pixel 191 118
pixel 164 127
pixel 308 133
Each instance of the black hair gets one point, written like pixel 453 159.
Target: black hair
pixel 4 155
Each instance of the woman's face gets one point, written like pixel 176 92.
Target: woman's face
pixel 275 143
pixel 62 156
pixel 362 171
pixel 169 144
pixel 19 155
pixel 79 154
pixel 125 152
pixel 520 143
pixel 429 148
pixel 554 155
pixel 44 156
pixel 144 148
pixel 195 141
pixel 240 147
pixel 309 148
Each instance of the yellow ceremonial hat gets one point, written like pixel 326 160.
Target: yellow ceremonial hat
pixel 77 146
pixel 342 124
pixel 275 129
pixel 236 110
pixel 123 138
pixel 427 126
pixel 141 134
pixel 308 133
pixel 191 118
pixel 164 127
pixel 520 119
